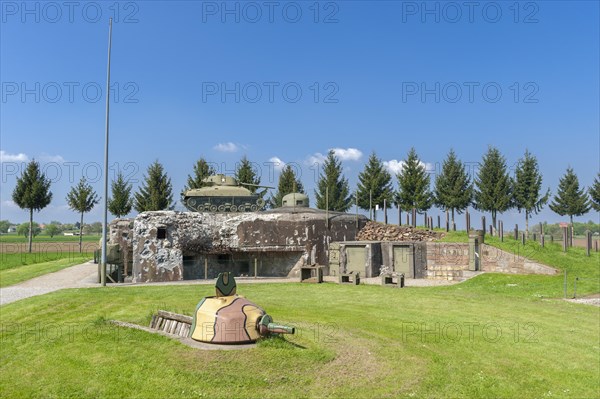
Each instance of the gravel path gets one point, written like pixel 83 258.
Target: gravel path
pixel 80 276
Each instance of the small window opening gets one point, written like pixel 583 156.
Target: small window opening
pixel 161 233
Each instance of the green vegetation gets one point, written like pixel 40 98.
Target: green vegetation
pixel 288 183
pixel 333 191
pixel 245 173
pixel 82 198
pixel 570 200
pixel 594 192
pixel 374 186
pixel 23 229
pixel 493 185
pixel 413 185
pixel 42 238
pixel 120 203
pixel 453 187
pixel 351 342
pixel 19 267
pixel 527 187
pixel 202 170
pixel 156 192
pixel 579 229
pixel 32 192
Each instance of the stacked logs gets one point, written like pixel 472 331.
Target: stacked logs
pixel 381 232
pixel 171 323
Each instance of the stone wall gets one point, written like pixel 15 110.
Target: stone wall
pixel 450 261
pixel 446 261
pixel 499 261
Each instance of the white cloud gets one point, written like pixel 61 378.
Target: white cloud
pixel 51 158
pixel 316 158
pixel 278 164
pixel 394 166
pixel 347 154
pixel 6 157
pixel 343 154
pixel 227 147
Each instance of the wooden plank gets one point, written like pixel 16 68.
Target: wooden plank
pixel 153 321
pixel 175 316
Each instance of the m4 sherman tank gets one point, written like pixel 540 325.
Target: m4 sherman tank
pixel 228 318
pixel 223 194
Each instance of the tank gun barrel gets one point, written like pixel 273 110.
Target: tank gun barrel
pixel 256 185
pixel 279 329
pixel 266 326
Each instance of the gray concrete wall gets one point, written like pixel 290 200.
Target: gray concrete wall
pixel 285 240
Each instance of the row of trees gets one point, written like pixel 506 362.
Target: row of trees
pixel 492 190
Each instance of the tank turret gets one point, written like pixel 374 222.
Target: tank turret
pixel 228 318
pixel 224 194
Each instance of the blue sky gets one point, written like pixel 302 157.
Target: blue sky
pixel 290 80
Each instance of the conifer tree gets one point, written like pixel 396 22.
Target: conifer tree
pixel 156 192
pixel 82 198
pixel 288 183
pixel 570 199
pixel 413 185
pixel 374 185
pixel 453 187
pixel 333 191
pixel 595 193
pixel 246 174
pixel 527 188
pixel 202 170
pixel 121 202
pixel 493 185
pixel 32 192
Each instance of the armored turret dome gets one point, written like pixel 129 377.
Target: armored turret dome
pixel 295 199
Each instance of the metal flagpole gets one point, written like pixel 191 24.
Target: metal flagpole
pixel 105 217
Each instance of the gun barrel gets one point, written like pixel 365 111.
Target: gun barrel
pixel 279 329
pixel 256 185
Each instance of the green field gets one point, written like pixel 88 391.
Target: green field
pixel 19 267
pixel 13 238
pixel 352 342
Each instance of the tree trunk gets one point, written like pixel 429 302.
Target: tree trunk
pixel 30 228
pixel 453 216
pixel 571 235
pixel 80 231
pixel 526 225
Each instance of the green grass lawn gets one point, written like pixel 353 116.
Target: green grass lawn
pixel 352 342
pixel 13 238
pixel 18 267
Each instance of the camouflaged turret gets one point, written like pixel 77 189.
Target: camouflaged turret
pixel 228 318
